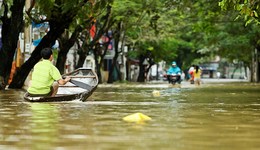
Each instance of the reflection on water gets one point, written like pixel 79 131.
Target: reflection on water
pixel 219 116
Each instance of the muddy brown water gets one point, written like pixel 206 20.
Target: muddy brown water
pixel 210 117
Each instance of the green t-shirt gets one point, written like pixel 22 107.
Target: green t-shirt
pixel 43 76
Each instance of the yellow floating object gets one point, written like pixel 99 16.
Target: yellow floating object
pixel 136 117
pixel 156 93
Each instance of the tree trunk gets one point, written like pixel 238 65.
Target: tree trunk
pixel 141 76
pixel 114 61
pixel 82 57
pixel 255 69
pixel 25 69
pixel 65 45
pixel 234 71
pixel 98 67
pixel 157 71
pixel 99 55
pixel 111 69
pixel 127 70
pixel 256 65
pixel 11 27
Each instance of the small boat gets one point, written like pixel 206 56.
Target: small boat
pixel 82 84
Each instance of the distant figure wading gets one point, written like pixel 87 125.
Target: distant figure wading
pixel 197 75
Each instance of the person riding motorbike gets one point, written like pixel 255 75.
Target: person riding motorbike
pixel 174 74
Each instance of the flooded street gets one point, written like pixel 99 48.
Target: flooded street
pixel 211 117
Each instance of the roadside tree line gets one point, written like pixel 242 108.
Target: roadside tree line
pixel 186 31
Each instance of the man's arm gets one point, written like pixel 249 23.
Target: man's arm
pixel 64 81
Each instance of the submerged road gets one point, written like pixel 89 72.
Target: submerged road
pixel 165 84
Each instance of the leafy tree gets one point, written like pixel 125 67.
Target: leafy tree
pixel 126 15
pixel 59 15
pixel 137 22
pixel 248 9
pixel 65 43
pixel 79 31
pixel 102 26
pixel 167 36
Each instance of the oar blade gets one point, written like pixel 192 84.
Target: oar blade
pixel 81 84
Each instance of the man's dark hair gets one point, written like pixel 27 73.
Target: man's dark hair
pixel 46 53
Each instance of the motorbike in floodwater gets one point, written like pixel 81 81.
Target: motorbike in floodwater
pixel 173 78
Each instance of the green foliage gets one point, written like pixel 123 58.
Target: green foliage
pixel 249 9
pixel 167 34
pixel 183 30
pixel 45 6
pixel 187 31
pixel 7 4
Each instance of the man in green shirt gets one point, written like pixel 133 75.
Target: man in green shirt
pixel 46 77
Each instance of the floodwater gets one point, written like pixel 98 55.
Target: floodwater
pixel 220 116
